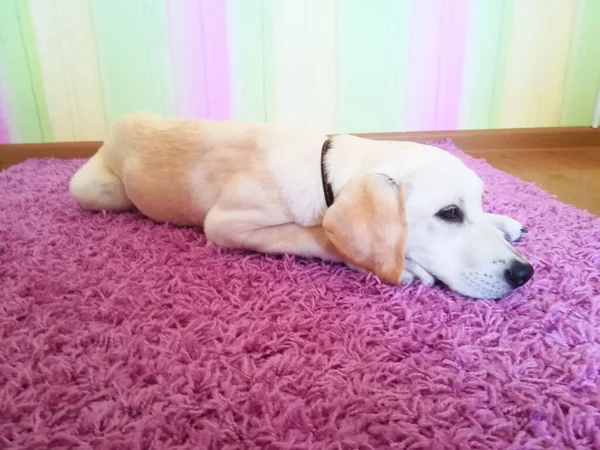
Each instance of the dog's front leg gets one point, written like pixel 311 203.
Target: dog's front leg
pixel 512 229
pixel 250 230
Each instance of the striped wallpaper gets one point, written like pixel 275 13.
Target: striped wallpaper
pixel 68 68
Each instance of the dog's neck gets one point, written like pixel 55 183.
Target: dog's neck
pixel 346 158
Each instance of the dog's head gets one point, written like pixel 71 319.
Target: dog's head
pixel 453 239
pixel 426 206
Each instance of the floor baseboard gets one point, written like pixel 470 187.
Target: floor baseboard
pixel 11 154
pixel 478 141
pixel 516 138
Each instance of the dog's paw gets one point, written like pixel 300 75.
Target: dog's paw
pixel 413 272
pixel 407 277
pixel 512 229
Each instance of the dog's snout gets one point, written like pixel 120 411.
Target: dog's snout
pixel 518 273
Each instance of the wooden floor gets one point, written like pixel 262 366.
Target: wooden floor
pixel 573 174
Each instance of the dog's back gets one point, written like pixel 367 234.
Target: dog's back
pixel 173 170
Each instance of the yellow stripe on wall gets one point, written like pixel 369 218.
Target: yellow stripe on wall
pixel 305 42
pixel 535 68
pixel 69 66
pixel 550 74
pixel 523 51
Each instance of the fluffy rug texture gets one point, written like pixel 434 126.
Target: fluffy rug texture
pixel 117 332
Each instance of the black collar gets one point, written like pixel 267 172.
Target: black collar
pixel 327 189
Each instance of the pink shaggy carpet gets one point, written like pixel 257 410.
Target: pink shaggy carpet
pixel 120 333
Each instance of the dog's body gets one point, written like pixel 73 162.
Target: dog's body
pixel 260 188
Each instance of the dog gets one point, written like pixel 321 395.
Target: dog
pixel 401 210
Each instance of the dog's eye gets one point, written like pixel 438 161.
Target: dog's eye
pixel 450 213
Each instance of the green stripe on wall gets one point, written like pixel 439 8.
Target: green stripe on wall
pixel 583 79
pixel 134 57
pixel 484 48
pixel 495 117
pixel 373 46
pixel 25 100
pixel 269 57
pixel 251 58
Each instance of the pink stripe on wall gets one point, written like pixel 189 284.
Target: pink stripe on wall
pixel 216 60
pixel 199 58
pixel 451 52
pixel 435 57
pixel 185 39
pixel 423 65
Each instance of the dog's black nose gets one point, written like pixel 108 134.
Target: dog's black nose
pixel 518 273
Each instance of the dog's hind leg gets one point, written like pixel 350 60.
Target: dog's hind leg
pixel 96 187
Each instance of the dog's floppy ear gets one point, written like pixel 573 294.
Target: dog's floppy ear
pixel 367 224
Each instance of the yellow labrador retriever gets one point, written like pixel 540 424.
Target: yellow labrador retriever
pixel 401 210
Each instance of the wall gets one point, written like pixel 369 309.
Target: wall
pixel 70 67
